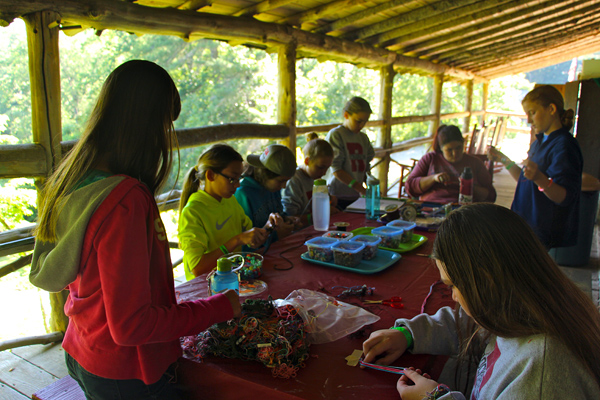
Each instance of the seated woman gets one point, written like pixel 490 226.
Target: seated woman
pixel 435 177
pixel 531 330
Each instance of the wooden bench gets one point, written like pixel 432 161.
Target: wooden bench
pixel 63 389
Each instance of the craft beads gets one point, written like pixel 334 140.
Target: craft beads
pixel 348 254
pixel 371 245
pixel 319 248
pixel 391 237
pixel 408 228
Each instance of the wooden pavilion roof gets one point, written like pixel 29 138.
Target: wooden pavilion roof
pixel 464 39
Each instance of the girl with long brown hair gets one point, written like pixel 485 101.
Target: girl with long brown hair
pixel 543 332
pixel 100 236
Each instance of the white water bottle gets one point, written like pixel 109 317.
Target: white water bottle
pixel 320 205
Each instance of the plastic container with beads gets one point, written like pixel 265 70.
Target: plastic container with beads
pixel 339 235
pixel 348 254
pixel 371 245
pixel 319 248
pixel 391 236
pixel 408 227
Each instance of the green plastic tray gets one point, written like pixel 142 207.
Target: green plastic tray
pixel 416 241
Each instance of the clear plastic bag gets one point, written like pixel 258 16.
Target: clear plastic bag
pixel 328 318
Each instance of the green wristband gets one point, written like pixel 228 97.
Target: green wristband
pixel 407 335
pixel 224 249
pixel 510 165
pixel 352 182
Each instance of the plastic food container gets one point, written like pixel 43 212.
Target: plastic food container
pixel 391 236
pixel 371 245
pixel 348 254
pixel 319 248
pixel 339 235
pixel 408 227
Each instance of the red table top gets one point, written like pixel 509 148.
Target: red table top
pixel 326 374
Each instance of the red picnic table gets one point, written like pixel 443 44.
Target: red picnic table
pixel 325 374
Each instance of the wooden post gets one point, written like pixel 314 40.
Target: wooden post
pixel 436 103
pixel 286 103
pixel 44 75
pixel 384 138
pixel 468 107
pixel 484 101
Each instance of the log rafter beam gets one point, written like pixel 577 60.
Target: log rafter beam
pixel 542 58
pixel 430 11
pixel 547 58
pixel 319 12
pixel 194 5
pixel 341 23
pixel 261 7
pixel 393 39
pixel 109 14
pixel 520 22
pixel 530 27
pixel 528 47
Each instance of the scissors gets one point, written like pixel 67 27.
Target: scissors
pixel 394 302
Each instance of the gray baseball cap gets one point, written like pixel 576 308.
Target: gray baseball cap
pixel 276 158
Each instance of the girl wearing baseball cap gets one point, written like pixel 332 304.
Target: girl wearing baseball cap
pixel 259 193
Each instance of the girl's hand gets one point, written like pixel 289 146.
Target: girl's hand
pixel 387 342
pixel 297 222
pixel 284 229
pixel 531 171
pixel 495 155
pixel 274 220
pixel 414 385
pixel 254 237
pixel 234 300
pixel 443 178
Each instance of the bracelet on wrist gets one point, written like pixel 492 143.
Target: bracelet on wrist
pixel 550 182
pixel 438 392
pixel 352 182
pixel 224 249
pixel 407 335
pixel 510 165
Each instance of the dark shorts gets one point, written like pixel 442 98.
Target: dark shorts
pixel 98 388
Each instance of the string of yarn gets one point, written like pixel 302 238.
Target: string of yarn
pixel 274 336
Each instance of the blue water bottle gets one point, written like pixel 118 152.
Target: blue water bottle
pixel 373 197
pixel 224 278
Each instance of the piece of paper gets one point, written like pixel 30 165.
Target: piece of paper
pixel 354 358
pixel 360 204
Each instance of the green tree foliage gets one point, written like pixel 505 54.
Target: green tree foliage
pixel 15 94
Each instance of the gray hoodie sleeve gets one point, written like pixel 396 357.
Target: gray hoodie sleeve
pixel 434 334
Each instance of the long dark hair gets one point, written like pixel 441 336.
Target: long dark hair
pixel 509 283
pixel 446 134
pixel 216 158
pixel 130 131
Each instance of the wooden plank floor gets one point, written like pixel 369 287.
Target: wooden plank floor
pixel 25 370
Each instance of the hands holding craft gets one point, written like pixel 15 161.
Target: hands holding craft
pixel 445 178
pixel 384 347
